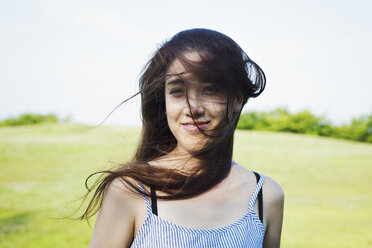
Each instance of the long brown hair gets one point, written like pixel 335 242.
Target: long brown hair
pixel 225 64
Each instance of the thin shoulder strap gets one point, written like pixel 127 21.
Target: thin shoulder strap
pixel 258 193
pixel 154 204
pixel 148 205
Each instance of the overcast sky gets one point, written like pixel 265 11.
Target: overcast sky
pixel 82 58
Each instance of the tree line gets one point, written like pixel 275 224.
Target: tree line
pixel 29 119
pixel 304 122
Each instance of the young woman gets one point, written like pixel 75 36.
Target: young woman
pixel 182 188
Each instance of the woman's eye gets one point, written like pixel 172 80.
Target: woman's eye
pixel 176 92
pixel 211 90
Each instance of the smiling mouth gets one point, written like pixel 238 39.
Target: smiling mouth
pixel 194 127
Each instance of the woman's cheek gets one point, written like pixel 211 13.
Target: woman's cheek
pixel 218 109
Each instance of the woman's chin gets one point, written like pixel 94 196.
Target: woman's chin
pixel 192 147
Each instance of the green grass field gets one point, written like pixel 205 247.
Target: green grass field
pixel 327 182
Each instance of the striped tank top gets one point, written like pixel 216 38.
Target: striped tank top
pixel 156 232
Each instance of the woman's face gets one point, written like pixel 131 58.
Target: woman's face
pixel 191 104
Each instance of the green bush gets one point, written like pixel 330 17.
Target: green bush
pixel 250 120
pixel 280 120
pixel 29 119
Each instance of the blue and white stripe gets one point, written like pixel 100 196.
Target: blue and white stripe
pixel 156 232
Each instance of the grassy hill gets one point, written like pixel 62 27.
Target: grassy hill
pixel 327 182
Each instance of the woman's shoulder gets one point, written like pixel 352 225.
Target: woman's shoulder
pixel 120 190
pixel 272 191
pixel 121 199
pixel 116 216
pixel 270 185
pixel 273 204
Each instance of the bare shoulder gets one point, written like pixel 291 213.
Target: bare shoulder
pixel 120 190
pixel 114 226
pixel 273 192
pixel 121 199
pixel 273 203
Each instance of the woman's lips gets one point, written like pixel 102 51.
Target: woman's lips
pixel 194 127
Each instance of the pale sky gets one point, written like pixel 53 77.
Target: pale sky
pixel 82 58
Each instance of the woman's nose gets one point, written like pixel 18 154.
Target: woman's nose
pixel 194 107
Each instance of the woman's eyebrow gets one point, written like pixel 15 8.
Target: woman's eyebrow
pixel 175 81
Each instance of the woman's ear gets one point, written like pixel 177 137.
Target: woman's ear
pixel 238 103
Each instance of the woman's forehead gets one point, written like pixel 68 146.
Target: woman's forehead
pixel 177 65
pixel 178 74
pixel 186 81
pixel 189 69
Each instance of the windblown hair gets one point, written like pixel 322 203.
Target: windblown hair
pixel 222 63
